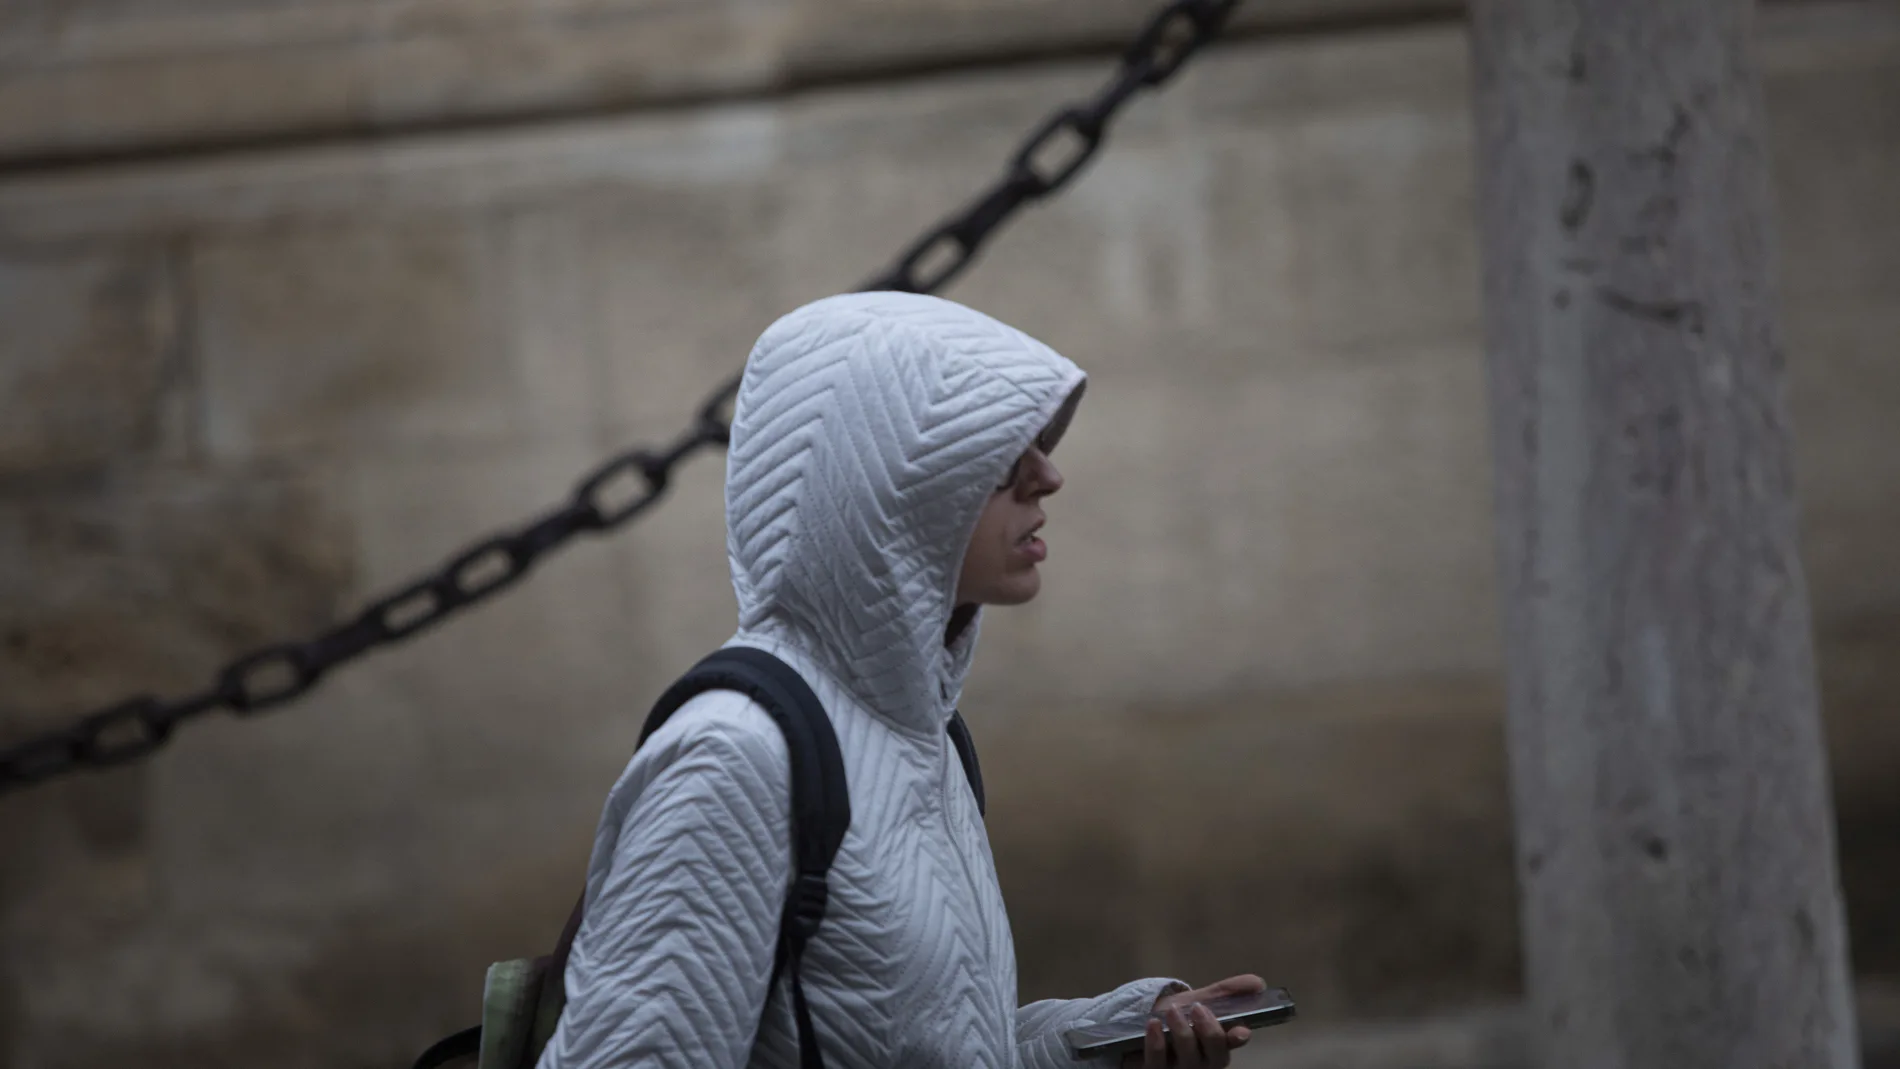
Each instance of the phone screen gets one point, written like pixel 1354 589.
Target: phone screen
pixel 1124 1034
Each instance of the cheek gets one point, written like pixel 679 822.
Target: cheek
pixel 979 558
pixel 989 546
pixel 994 546
pixel 989 529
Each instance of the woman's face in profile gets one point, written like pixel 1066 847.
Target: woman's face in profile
pixel 999 568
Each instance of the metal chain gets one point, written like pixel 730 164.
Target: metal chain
pixel 630 483
pixel 1051 156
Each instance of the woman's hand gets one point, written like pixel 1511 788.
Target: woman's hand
pixel 1194 1038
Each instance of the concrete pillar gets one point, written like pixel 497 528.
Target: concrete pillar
pixel 1674 834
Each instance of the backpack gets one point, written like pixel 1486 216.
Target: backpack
pixel 522 999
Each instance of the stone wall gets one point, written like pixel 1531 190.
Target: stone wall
pixel 90 78
pixel 1253 723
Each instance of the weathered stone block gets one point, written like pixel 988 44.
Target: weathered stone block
pixel 122 585
pixel 1843 385
pixel 89 365
pixel 647 264
pixel 93 78
pixel 1834 125
pixel 352 339
pixel 111 588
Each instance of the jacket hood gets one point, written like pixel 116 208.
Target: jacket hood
pixel 869 431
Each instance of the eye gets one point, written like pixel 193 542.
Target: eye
pixel 1015 473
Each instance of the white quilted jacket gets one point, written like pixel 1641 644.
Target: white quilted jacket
pixel 869 432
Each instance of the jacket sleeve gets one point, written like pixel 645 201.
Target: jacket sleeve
pixel 1040 1025
pixel 691 865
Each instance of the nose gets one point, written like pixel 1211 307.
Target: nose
pixel 1044 478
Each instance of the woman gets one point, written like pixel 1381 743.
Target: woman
pixel 889 460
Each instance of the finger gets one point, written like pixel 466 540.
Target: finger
pixel 1154 1047
pixel 1209 1037
pixel 1238 1036
pixel 1187 1049
pixel 1247 984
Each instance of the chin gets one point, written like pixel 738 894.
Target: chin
pixel 1018 590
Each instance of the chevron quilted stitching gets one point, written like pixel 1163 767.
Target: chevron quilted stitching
pixel 868 432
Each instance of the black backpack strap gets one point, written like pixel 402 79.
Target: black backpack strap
pixel 464 1044
pixel 966 752
pixel 821 802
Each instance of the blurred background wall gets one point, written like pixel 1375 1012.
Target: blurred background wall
pixel 298 299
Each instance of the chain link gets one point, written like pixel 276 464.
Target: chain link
pixel 1051 156
pixel 626 485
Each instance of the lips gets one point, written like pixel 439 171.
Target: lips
pixel 1032 548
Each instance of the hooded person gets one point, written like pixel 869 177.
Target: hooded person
pixel 885 477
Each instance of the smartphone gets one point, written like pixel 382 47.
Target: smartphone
pixel 1125 1034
